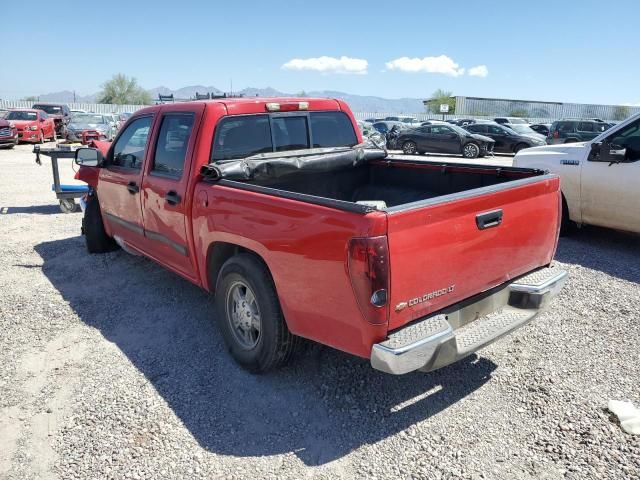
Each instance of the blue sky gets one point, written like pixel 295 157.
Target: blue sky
pixel 536 50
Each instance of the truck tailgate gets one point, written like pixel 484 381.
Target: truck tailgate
pixel 441 253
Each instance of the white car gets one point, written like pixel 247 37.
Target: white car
pixel 599 179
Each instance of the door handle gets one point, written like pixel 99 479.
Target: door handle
pixel 172 197
pixel 489 219
pixel 133 188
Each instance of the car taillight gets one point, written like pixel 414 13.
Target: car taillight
pixel 556 134
pixel 369 272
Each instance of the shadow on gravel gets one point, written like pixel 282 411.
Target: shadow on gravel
pixel 322 407
pixel 612 252
pixel 33 210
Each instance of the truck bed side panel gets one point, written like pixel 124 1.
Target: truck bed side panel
pixel 305 247
pixel 439 255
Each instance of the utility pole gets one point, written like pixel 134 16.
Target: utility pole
pixel 74 96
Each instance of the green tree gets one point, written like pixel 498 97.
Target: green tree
pixel 123 90
pixel 621 112
pixel 441 97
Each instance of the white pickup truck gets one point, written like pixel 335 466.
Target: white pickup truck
pixel 599 179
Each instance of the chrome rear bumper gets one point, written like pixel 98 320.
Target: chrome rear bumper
pixel 440 340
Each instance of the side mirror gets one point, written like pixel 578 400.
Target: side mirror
pixel 89 157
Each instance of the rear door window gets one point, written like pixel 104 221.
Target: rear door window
pixel 585 127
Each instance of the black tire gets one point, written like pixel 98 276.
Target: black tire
pixel 519 147
pixel 471 150
pixel 409 148
pixel 567 227
pixel 274 345
pixel 96 238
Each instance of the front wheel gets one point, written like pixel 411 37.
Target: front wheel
pixel 409 148
pixel 249 315
pixel 470 150
pixel 519 147
pixel 95 235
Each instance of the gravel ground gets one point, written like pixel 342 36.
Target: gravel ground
pixel 110 367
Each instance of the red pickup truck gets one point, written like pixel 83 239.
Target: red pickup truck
pixel 300 230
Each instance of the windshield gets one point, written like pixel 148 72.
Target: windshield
pixel 458 129
pixel 22 116
pixel 87 118
pixel 52 109
pixel 523 129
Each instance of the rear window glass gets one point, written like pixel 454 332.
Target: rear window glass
pixel 52 109
pixel 242 136
pixel 245 135
pixel 290 133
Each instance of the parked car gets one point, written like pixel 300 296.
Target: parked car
pixel 433 122
pixel 367 131
pixel 526 130
pixel 405 263
pixel 385 126
pixel 575 130
pixel 77 110
pixel 403 119
pixel 90 121
pixel 60 114
pixel 8 133
pixel 462 122
pixel 122 119
pixel 506 139
pixel 33 126
pixel 444 139
pixel 599 178
pixel 511 120
pixel 541 128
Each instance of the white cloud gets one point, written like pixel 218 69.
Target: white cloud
pixel 441 64
pixel 479 71
pixel 325 64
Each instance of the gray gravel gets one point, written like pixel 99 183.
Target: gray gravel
pixel 110 367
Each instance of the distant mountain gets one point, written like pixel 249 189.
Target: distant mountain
pixel 358 103
pixel 67 97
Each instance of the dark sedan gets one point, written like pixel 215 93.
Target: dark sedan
pixel 444 139
pixel 507 140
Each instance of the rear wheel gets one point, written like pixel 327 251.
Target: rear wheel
pixel 470 150
pixel 409 148
pixel 95 235
pixel 249 315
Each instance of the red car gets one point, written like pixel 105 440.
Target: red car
pixel 8 134
pixel 299 230
pixel 34 126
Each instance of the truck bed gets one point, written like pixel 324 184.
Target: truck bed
pixel 400 184
pixel 453 230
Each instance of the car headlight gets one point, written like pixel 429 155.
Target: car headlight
pixel 12 125
pixel 33 127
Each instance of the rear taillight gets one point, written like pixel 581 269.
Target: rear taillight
pixel 556 134
pixel 369 272
pixel 287 106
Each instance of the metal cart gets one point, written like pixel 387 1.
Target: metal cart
pixel 64 193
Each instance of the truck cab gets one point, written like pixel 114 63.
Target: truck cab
pixel 599 178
